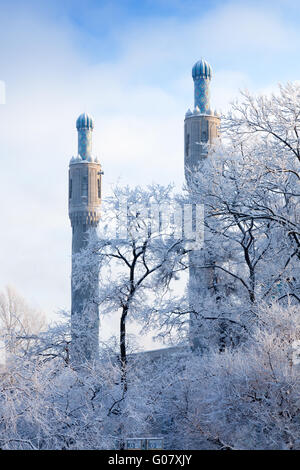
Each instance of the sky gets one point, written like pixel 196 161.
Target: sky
pixel 128 63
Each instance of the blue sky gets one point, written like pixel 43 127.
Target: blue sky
pixel 129 64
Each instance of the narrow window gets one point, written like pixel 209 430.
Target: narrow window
pixel 70 189
pixel 84 186
pixel 187 144
pixel 204 137
pixel 99 189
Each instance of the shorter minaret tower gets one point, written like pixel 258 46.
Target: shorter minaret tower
pixel 84 212
pixel 201 129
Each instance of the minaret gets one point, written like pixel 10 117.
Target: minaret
pixel 201 128
pixel 84 212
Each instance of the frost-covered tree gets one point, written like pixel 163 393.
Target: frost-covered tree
pixel 241 397
pixel 139 261
pixel 249 397
pixel 50 405
pixel 18 323
pixel 250 186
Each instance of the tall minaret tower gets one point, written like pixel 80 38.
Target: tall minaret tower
pixel 201 129
pixel 84 212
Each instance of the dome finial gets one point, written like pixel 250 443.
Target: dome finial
pixel 201 69
pixel 85 121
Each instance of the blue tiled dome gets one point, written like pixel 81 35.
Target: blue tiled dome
pixel 85 121
pixel 201 69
